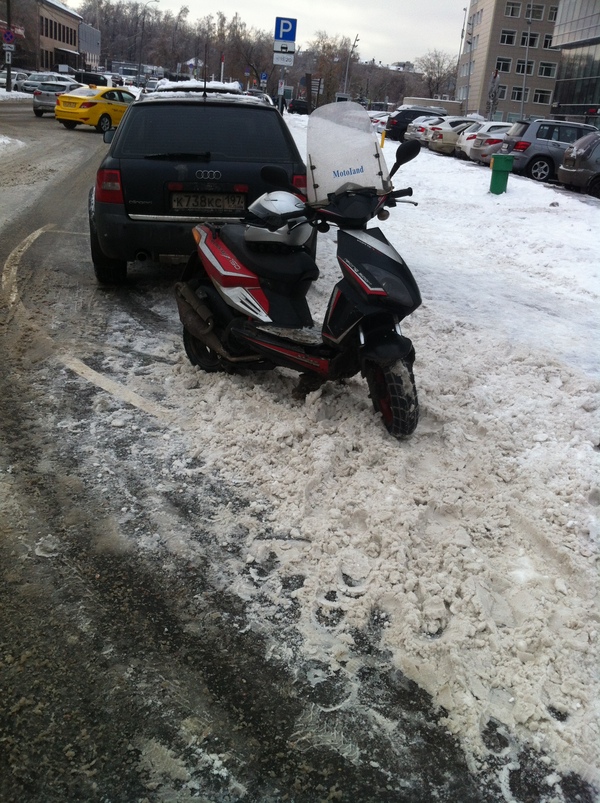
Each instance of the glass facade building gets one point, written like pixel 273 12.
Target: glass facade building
pixel 577 32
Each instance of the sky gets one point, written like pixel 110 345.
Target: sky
pixel 476 540
pixel 388 30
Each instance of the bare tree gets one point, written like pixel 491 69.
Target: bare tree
pixel 439 72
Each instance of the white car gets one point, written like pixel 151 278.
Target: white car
pixel 418 128
pixel 31 83
pixel 16 78
pixel 467 139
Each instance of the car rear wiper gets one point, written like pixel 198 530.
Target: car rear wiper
pixel 200 157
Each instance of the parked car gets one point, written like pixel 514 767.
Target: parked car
pixel 466 142
pixel 442 137
pixel 486 145
pixel 580 168
pixel 32 82
pixel 379 120
pixel 297 106
pixel 418 128
pixel 398 121
pixel 103 107
pixel 177 160
pixel 16 78
pixel 46 95
pixel 465 139
pixel 538 146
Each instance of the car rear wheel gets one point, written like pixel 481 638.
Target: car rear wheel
pixel 104 124
pixel 68 124
pixel 594 189
pixel 38 112
pixel 540 169
pixel 107 270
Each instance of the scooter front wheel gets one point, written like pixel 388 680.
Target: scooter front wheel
pixel 394 395
pixel 199 354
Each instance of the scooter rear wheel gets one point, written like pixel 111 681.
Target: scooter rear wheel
pixel 199 354
pixel 394 395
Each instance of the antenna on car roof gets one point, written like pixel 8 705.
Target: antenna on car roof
pixel 205 67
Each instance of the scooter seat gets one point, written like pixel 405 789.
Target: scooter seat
pixel 289 267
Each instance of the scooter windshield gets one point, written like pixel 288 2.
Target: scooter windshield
pixel 343 153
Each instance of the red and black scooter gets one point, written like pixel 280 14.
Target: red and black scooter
pixel 242 299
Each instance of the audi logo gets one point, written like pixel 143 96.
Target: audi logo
pixel 208 174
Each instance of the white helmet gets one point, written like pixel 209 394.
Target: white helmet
pixel 272 212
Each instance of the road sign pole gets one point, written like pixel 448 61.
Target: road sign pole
pixel 8 59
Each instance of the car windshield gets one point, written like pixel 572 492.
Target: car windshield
pixel 226 133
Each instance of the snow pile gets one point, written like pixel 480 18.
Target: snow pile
pixel 474 543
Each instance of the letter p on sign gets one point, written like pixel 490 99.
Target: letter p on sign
pixel 285 29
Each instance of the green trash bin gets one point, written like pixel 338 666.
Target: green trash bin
pixel 501 165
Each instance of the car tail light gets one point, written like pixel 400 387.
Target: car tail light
pixel 36 92
pixel 88 104
pixel 435 128
pixel 437 136
pixel 108 187
pixel 522 145
pixel 299 182
pixel 243 188
pixel 471 136
pixel 492 141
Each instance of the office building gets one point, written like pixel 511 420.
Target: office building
pixel 508 64
pixel 577 32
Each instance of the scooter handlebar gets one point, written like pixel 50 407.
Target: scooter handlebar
pixel 402 193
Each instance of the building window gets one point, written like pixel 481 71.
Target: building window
pixel 512 10
pixel 552 13
pixel 542 96
pixel 534 39
pixel 547 69
pixel 502 90
pixel 547 41
pixel 517 93
pixel 508 37
pixel 520 68
pixel 503 65
pixel 534 11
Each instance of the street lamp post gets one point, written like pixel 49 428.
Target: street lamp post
pixel 142 35
pixel 352 49
pixel 528 21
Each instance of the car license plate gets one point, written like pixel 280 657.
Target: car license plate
pixel 69 104
pixel 230 203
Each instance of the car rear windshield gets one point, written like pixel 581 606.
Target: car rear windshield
pixel 227 133
pixel 517 129
pixel 84 91
pixel 587 144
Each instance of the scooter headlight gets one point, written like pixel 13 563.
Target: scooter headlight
pixel 398 291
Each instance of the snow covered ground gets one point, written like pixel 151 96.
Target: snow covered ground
pixel 474 543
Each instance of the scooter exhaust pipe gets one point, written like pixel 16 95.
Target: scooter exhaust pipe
pixel 199 321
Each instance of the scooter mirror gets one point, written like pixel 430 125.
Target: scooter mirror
pixel 406 152
pixel 277 176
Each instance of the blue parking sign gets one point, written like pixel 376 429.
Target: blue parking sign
pixel 285 29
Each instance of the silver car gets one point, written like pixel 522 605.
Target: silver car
pixel 37 78
pixel 580 168
pixel 538 145
pixel 44 97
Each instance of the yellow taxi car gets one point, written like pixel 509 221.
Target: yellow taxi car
pixel 100 106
